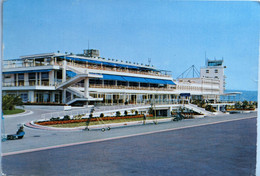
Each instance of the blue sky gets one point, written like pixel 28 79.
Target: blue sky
pixel 174 34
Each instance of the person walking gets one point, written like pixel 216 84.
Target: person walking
pixel 144 119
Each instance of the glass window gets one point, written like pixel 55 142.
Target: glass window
pixel 20 76
pixel 24 97
pixel 7 76
pixel 46 97
pixel 207 71
pixel 215 63
pixel 31 75
pixel 109 96
pixel 45 75
pixel 42 97
pixel 216 71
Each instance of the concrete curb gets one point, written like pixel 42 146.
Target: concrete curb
pixel 27 112
pixel 96 127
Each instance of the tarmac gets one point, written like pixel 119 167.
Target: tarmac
pixel 38 138
pixel 216 145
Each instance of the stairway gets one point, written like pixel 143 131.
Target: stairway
pixel 198 109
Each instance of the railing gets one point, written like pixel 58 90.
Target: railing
pixel 130 87
pixel 21 64
pixel 68 99
pixel 140 103
pixel 29 83
pixel 97 67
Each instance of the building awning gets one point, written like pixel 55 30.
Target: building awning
pixel 27 71
pixel 155 81
pixel 134 79
pixel 113 77
pixel 128 78
pixel 169 82
pixel 70 74
pixel 137 79
pixel 184 94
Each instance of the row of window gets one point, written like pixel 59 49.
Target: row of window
pixel 31 76
pixel 216 71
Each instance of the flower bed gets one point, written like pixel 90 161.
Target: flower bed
pixel 240 109
pixel 91 120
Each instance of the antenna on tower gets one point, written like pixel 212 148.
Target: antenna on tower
pixel 149 60
pixel 193 70
pixel 88 44
pixel 205 58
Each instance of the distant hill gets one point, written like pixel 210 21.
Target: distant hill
pixel 246 95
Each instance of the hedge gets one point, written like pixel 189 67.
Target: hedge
pixel 91 120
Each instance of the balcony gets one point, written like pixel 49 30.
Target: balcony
pixel 130 87
pixel 115 69
pixel 24 64
pixel 28 83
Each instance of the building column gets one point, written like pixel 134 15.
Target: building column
pixel 55 77
pixel 71 96
pixel 64 68
pixel 52 96
pixel 169 114
pixel 36 79
pixel 40 78
pixel 86 87
pixel 64 96
pixel 52 61
pixel 51 78
pixel 26 79
pixel 31 96
pixel 16 75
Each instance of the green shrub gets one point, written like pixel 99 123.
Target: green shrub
pixel 118 113
pixel 210 108
pixel 102 115
pixel 125 112
pixel 238 105
pixel 10 101
pixel 245 104
pixel 251 106
pixel 151 111
pixel 66 117
pixel 136 112
pixel 55 119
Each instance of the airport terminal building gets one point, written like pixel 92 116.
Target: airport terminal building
pixel 80 79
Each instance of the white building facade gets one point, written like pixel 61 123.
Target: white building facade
pixel 214 70
pixel 90 79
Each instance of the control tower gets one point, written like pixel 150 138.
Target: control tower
pixel 214 69
pixel 91 53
